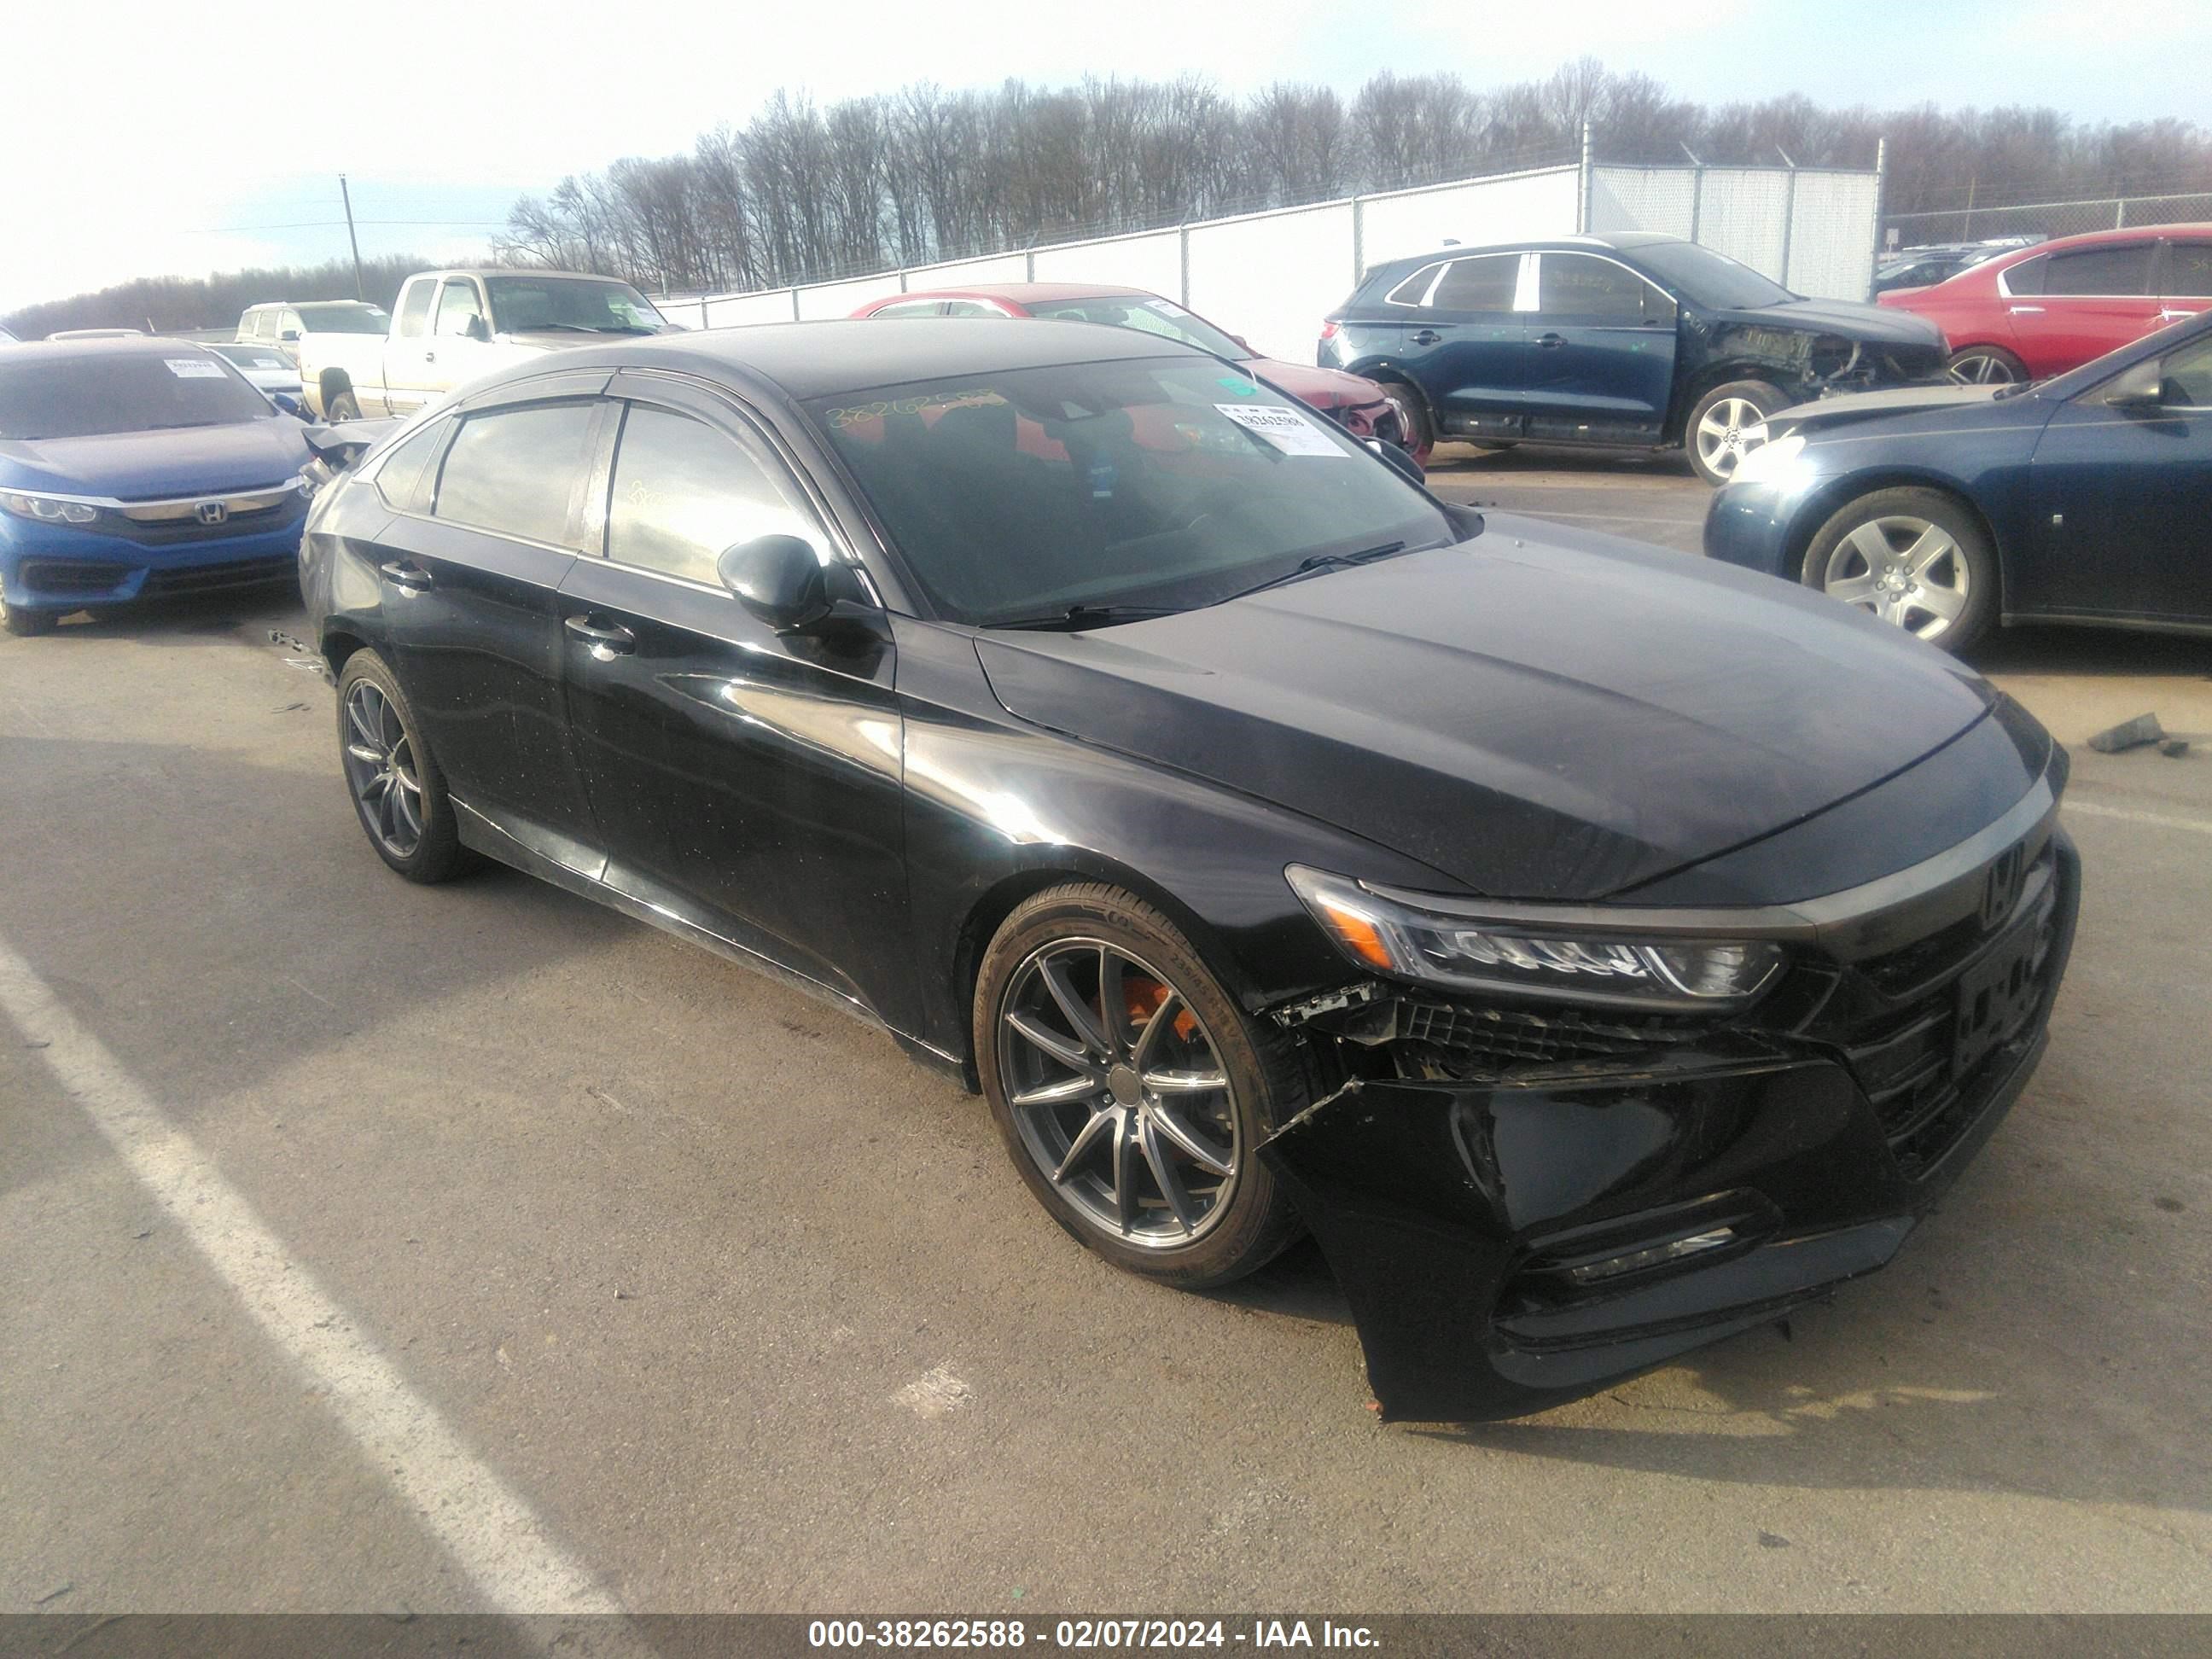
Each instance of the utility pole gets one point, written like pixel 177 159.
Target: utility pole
pixel 346 195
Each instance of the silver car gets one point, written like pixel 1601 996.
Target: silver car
pixel 268 368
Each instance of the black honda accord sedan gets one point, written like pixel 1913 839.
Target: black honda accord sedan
pixel 1272 844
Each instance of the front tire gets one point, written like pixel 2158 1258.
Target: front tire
pixel 1914 557
pixel 25 623
pixel 1986 365
pixel 1413 411
pixel 1131 1091
pixel 343 407
pixel 398 794
pixel 1726 424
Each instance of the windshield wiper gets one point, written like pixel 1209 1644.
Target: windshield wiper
pixel 541 328
pixel 624 328
pixel 1089 616
pixel 1318 563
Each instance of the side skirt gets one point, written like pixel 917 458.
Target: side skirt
pixel 484 833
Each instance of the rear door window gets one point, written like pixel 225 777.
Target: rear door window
pixel 684 494
pixel 1486 283
pixel 2124 268
pixel 2188 272
pixel 513 470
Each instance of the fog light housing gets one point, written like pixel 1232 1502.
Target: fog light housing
pixel 1652 1255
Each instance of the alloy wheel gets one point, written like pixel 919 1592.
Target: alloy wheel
pixel 1903 569
pixel 381 770
pixel 1728 431
pixel 1118 1092
pixel 1980 368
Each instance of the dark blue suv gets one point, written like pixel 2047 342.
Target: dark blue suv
pixel 1629 340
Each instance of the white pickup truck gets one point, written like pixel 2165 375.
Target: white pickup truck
pixel 451 326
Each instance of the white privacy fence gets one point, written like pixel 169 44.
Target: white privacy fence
pixel 1271 277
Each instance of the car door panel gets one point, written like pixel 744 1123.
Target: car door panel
pixel 1466 346
pixel 2124 496
pixel 754 777
pixel 2089 301
pixel 1601 344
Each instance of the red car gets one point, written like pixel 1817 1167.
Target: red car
pixel 1360 406
pixel 2042 310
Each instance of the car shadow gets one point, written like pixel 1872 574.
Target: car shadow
pixel 1467 460
pixel 2123 652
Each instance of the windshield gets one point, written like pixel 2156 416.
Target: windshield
pixel 343 319
pixel 66 396
pixel 250 356
pixel 1167 482
pixel 522 303
pixel 1148 315
pixel 1709 279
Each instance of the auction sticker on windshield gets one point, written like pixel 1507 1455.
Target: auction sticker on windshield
pixel 1284 428
pixel 194 368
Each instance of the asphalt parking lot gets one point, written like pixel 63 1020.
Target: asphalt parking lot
pixel 737 1309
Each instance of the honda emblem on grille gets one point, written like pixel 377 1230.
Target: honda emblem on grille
pixel 2001 891
pixel 211 512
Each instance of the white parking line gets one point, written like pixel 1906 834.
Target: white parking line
pixel 506 1551
pixel 2163 820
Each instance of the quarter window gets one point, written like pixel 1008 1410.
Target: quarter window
pixel 1414 288
pixel 1484 284
pixel 684 494
pixel 2185 376
pixel 2125 270
pixel 512 470
pixel 414 308
pixel 1581 287
pixel 401 479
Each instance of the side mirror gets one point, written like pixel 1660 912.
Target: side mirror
pixel 477 329
pixel 1398 458
pixel 289 336
pixel 778 579
pixel 291 404
pixel 2140 388
pixel 1243 345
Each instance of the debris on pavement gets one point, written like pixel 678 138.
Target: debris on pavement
pixel 2128 734
pixel 2173 748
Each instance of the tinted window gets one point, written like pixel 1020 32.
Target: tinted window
pixel 1157 481
pixel 1484 284
pixel 1414 288
pixel 1708 278
pixel 68 396
pixel 608 308
pixel 458 307
pixel 1147 314
pixel 2122 270
pixel 250 356
pixel 511 470
pixel 2185 375
pixel 414 308
pixel 912 308
pixel 2026 277
pixel 401 479
pixel 1581 287
pixel 683 492
pixel 344 318
pixel 2188 270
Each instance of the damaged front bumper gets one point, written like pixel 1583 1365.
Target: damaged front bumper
pixel 1512 1233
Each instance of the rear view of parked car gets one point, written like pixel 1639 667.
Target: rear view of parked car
pixel 265 367
pixel 136 468
pixel 2046 309
pixel 1633 340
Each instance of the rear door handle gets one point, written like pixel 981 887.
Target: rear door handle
pixel 607 639
pixel 1427 336
pixel 408 575
pixel 1549 340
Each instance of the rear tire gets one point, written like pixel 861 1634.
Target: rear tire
pixel 343 407
pixel 1131 1024
pixel 1726 424
pixel 398 792
pixel 1914 557
pixel 1986 365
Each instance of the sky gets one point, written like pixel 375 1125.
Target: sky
pixel 143 139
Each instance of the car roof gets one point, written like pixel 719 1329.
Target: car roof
pixel 1026 293
pixel 2093 238
pixel 513 271
pixel 816 359
pixel 128 345
pixel 1614 241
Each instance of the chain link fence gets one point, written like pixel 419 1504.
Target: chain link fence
pixel 2044 219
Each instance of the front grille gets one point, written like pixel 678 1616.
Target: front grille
pixel 181 533
pixel 1942 1023
pixel 1471 1038
pixel 212 578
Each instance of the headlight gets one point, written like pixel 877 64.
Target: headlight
pixel 47 509
pixel 1769 461
pixel 1390 936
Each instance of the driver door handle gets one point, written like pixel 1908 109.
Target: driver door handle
pixel 1547 341
pixel 407 575
pixel 607 639
pixel 1427 336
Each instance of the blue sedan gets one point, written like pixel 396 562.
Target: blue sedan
pixel 136 468
pixel 2086 498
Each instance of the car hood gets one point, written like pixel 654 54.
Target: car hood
pixel 1320 388
pixel 1535 713
pixel 1946 406
pixel 149 466
pixel 1869 325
